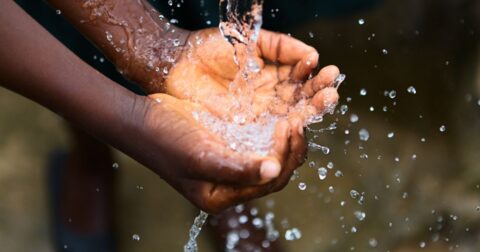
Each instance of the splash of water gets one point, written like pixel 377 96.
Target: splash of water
pixel 240 24
pixel 191 245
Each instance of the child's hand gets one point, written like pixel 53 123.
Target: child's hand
pixel 204 169
pixel 200 165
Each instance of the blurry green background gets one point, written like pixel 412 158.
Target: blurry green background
pixel 432 45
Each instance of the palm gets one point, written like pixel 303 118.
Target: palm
pixel 208 75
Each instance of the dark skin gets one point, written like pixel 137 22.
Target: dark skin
pixel 164 131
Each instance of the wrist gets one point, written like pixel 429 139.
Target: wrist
pixel 141 42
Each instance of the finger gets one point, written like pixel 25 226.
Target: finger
pixel 325 78
pixel 325 99
pixel 282 48
pixel 222 197
pixel 304 67
pixel 297 153
pixel 231 167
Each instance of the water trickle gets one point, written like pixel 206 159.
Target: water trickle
pixel 191 245
pixel 240 24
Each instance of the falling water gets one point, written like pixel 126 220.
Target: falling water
pixel 240 24
pixel 197 225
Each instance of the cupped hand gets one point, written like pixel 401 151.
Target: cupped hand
pixel 206 78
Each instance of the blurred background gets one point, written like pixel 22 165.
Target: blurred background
pixel 413 83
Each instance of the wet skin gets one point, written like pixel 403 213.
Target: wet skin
pixel 159 131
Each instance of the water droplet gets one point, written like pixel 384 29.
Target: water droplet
pixel 385 51
pixel 443 128
pixel 354 194
pixel 392 94
pixel 363 92
pixel 411 90
pixel 361 21
pixel 322 173
pixel 115 166
pixel 331 189
pixel 136 237
pixel 343 109
pixel 311 35
pixel 302 186
pixel 373 242
pixel 314 147
pixel 311 164
pixel 353 229
pixel 176 42
pixel 390 135
pixel 422 244
pixel 329 165
pixel 363 134
pixel 360 215
pixel 58 12
pixel 293 234
pixel 338 174
pixel 353 118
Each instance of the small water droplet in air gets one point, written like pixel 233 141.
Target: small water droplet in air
pixel 330 165
pixel 302 186
pixel 115 166
pixel 411 90
pixel 422 244
pixel 311 35
pixel 343 109
pixel 136 237
pixel 354 194
pixel 176 42
pixel 390 135
pixel 322 173
pixel 385 51
pixel 338 174
pixel 363 134
pixel 293 234
pixel 58 12
pixel 443 128
pixel 360 215
pixel 331 189
pixel 363 92
pixel 361 21
pixel 392 94
pixel 353 118
pixel 354 229
pixel 373 242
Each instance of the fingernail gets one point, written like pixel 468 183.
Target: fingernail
pixel 269 169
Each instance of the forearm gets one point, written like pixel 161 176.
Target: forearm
pixel 37 66
pixel 132 34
